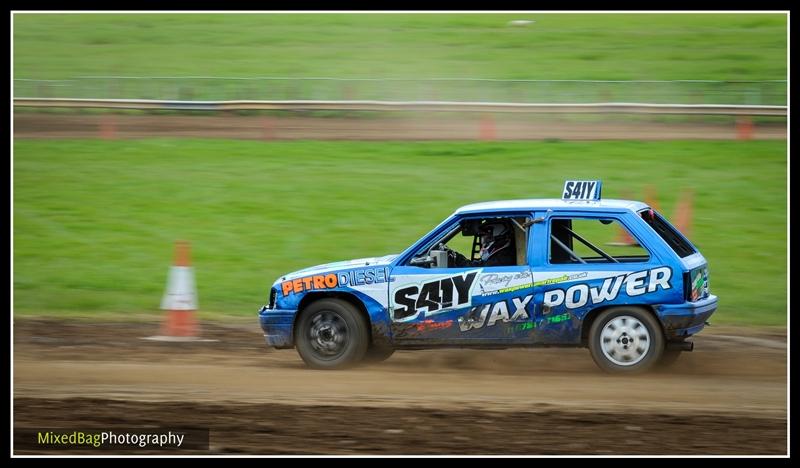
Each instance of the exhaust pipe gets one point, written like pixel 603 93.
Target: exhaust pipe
pixel 681 345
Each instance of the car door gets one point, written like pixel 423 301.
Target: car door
pixel 568 288
pixel 462 305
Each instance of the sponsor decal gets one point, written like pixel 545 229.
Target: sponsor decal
pixel 561 279
pixel 434 296
pixel 554 319
pixel 511 289
pixel 699 284
pixel 353 278
pixel 558 318
pixel 499 283
pixel 501 280
pixel 490 314
pixel 426 325
pixel 635 284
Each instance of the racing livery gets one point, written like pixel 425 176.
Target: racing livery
pixel 633 305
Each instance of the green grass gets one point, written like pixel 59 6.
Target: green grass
pixel 95 221
pixel 557 46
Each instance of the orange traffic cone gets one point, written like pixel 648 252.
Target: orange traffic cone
pixel 181 297
pixel 683 213
pixel 180 300
pixel 108 127
pixel 487 132
pixel 267 128
pixel 651 198
pixel 744 128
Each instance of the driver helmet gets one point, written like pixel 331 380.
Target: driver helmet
pixel 493 237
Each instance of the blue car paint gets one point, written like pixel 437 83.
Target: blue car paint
pixel 516 318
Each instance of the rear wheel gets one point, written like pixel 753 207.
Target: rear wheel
pixel 626 340
pixel 331 334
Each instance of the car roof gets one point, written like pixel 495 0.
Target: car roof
pixel 552 203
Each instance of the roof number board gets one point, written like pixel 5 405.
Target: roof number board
pixel 581 190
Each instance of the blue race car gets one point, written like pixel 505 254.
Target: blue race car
pixel 519 273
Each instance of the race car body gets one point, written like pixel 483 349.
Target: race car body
pixel 536 272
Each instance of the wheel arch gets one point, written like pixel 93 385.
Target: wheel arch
pixel 592 315
pixel 312 297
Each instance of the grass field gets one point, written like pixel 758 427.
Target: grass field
pixel 556 46
pixel 95 221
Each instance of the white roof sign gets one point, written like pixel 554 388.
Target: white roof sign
pixel 581 190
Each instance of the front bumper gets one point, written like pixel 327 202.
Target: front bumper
pixel 683 320
pixel 277 325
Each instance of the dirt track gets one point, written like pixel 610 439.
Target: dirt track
pixel 41 125
pixel 727 397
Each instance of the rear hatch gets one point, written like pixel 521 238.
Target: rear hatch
pixel 695 276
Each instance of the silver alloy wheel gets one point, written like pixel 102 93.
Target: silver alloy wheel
pixel 625 340
pixel 328 334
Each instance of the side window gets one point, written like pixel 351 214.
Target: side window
pixel 461 244
pixel 480 242
pixel 585 240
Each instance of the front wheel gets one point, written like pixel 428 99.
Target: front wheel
pixel 331 334
pixel 626 340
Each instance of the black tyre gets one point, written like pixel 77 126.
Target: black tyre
pixel 378 354
pixel 626 340
pixel 331 334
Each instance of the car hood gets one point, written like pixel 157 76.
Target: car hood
pixel 335 266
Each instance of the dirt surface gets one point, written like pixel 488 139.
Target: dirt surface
pixel 727 397
pixel 41 125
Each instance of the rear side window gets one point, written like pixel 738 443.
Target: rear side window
pixel 670 235
pixel 592 240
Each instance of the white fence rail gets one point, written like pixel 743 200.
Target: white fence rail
pixel 210 88
pixel 426 106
